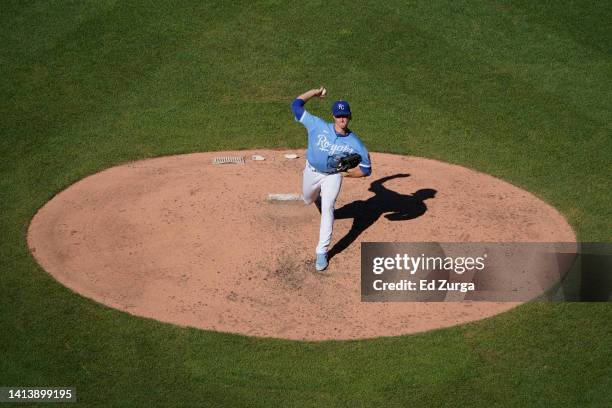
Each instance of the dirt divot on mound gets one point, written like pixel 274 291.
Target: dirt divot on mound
pixel 189 242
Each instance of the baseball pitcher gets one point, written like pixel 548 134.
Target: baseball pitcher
pixel 333 151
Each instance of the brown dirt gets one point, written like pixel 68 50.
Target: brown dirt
pixel 184 241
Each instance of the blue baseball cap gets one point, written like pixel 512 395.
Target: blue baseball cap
pixel 341 108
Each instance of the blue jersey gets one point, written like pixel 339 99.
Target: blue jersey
pixel 326 147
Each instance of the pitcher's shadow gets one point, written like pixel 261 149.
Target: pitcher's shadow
pixel 395 207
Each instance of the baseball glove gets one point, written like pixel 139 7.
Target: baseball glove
pixel 348 162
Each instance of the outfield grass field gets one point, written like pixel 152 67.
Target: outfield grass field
pixel 521 90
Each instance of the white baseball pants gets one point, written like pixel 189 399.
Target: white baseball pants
pixel 326 186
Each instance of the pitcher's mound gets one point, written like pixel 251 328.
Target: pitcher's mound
pixel 189 242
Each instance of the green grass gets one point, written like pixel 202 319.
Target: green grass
pixel 520 90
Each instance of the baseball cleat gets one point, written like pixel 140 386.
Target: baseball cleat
pixel 321 262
